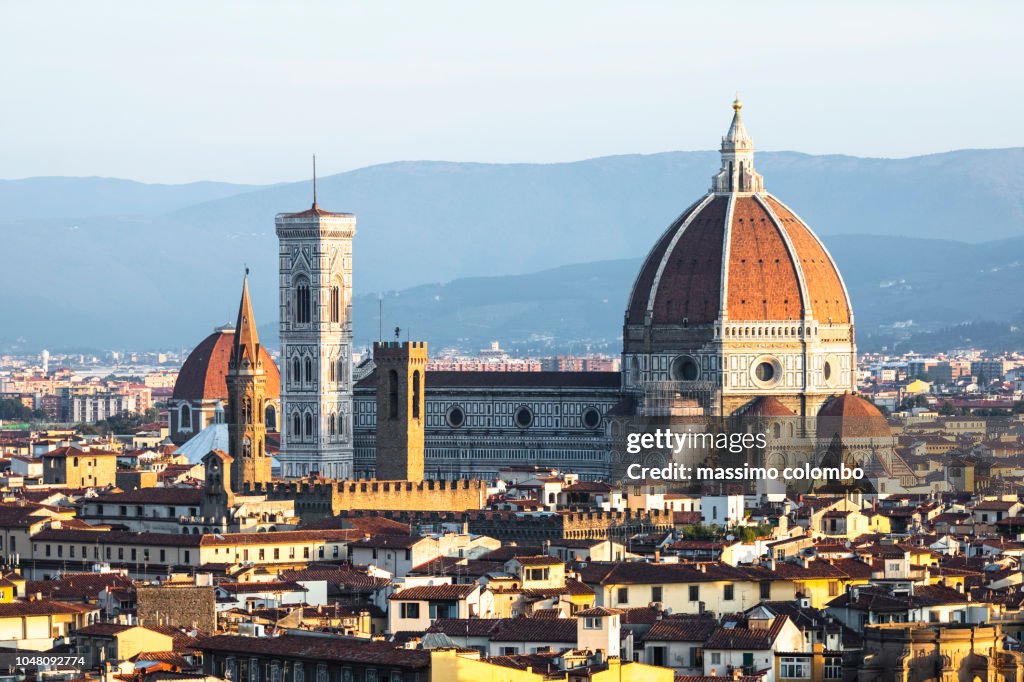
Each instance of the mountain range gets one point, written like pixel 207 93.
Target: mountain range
pixel 534 255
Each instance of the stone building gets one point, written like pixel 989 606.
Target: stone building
pixel 738 319
pixel 247 385
pixel 920 652
pixel 400 407
pixel 477 423
pixel 79 466
pixel 315 251
pixel 740 299
pixel 200 395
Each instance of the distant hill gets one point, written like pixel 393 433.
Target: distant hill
pixel 58 197
pixel 116 264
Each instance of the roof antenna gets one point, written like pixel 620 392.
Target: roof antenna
pixel 314 181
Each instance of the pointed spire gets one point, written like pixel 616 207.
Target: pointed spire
pixel 737 173
pixel 247 342
pixel 314 181
pixel 737 137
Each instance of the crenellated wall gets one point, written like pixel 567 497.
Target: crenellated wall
pixel 329 498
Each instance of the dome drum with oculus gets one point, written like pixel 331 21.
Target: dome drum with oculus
pixel 685 368
pixel 524 417
pixel 766 372
pixel 456 417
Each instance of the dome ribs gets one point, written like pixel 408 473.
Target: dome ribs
pixel 690 283
pixel 763 283
pixel 825 287
pixel 641 293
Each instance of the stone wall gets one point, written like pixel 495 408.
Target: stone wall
pixel 186 606
pixel 321 500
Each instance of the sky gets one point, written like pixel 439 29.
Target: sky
pixel 244 92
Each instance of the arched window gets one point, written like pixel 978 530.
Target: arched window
pixel 303 302
pixel 185 417
pixel 341 425
pixel 270 415
pixel 296 371
pixel 309 371
pixel 309 425
pixel 393 394
pixel 416 394
pixel 296 426
pixel 331 372
pixel 335 304
pixel 246 448
pixel 341 370
pixel 331 425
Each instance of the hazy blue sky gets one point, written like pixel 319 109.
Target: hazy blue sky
pixel 245 91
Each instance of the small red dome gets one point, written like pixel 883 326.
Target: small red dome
pixel 203 376
pixel 767 406
pixel 851 416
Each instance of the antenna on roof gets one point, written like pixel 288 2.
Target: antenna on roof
pixel 314 181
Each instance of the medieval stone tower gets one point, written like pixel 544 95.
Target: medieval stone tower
pixel 401 370
pixel 218 494
pixel 247 385
pixel 316 342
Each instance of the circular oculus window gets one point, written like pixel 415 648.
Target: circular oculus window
pixel 456 417
pixel 685 368
pixel 591 418
pixel 524 417
pixel 766 372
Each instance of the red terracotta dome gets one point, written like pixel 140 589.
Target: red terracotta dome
pixel 741 251
pixel 767 406
pixel 851 416
pixel 203 376
pixel 776 267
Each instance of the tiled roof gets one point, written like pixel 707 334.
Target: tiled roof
pixel 189 496
pixel 339 579
pixel 878 599
pixel 681 278
pixel 75 451
pixel 994 505
pixel 78 586
pixel 388 541
pixel 463 627
pixel 561 630
pixel 322 649
pixel 103 629
pixel 434 592
pixel 41 607
pixel 851 416
pixel 506 552
pixel 587 487
pixel 257 587
pixel 681 630
pixel 757 639
pixel 368 525
pixel 538 560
